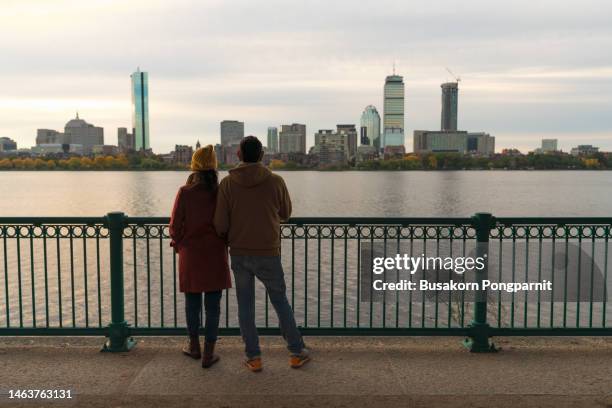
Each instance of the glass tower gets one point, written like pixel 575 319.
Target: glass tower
pixel 393 115
pixel 370 121
pixel 273 139
pixel 140 111
pixel 450 96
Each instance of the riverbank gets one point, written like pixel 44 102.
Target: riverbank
pixel 345 372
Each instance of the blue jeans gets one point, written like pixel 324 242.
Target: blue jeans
pixel 212 308
pixel 269 270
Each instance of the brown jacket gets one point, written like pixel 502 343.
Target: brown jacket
pixel 251 203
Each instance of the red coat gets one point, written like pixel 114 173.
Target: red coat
pixel 203 262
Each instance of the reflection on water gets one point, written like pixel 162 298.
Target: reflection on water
pixel 387 194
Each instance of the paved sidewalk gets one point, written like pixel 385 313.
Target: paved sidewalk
pixel 345 372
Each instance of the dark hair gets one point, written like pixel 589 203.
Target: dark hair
pixel 251 149
pixel 208 178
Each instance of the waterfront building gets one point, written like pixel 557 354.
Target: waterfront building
pixel 331 147
pixel 393 114
pixel 105 150
pixel 366 152
pixel 198 145
pixel 232 132
pixel 56 149
pixel 460 141
pixel 183 154
pixel 125 140
pixel 7 144
pixel 351 136
pixel 450 97
pixel 393 137
pixel 230 154
pixel 49 136
pixel 292 138
pixel 394 152
pixel 140 110
pixel 584 150
pixel 273 139
pixel 370 127
pixel 78 132
pixel 549 145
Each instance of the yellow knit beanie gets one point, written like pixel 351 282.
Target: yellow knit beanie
pixel 204 159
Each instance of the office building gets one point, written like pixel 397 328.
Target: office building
pixel 549 145
pixel 366 152
pixel 450 100
pixel 292 138
pixel 183 154
pixel 394 152
pixel 584 150
pixel 232 132
pixel 125 140
pixel 393 137
pixel 463 142
pixel 140 110
pixel 7 144
pixel 49 136
pixel 104 150
pixel 56 149
pixel 351 135
pixel 273 140
pixel 393 114
pixel 229 154
pixel 78 132
pixel 331 147
pixel 370 127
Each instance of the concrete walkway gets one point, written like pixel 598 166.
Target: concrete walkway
pixel 345 372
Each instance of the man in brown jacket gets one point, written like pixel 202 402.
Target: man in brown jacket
pixel 251 203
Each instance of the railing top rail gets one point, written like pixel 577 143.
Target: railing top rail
pixel 52 220
pixel 553 220
pixel 508 221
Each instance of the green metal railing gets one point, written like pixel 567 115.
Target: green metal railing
pixel 116 276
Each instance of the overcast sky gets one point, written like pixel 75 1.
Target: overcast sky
pixel 530 69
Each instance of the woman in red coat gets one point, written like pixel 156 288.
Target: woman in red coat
pixel 203 261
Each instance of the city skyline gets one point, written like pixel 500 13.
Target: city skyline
pixel 301 69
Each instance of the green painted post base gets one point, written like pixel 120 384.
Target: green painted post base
pixel 118 339
pixel 478 342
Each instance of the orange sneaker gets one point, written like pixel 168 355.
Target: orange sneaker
pixel 298 360
pixel 254 364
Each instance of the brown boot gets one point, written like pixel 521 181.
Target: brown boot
pixel 192 349
pixel 209 357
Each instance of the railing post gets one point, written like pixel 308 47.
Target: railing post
pixel 479 328
pixel 118 330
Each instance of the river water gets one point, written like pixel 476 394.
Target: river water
pixel 70 287
pixel 384 194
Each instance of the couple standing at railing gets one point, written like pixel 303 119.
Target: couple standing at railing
pixel 243 212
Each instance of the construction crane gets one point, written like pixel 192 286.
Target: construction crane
pixel 455 77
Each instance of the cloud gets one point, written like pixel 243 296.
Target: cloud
pixel 529 68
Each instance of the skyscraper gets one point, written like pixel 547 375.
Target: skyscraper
pixel 292 138
pixel 125 140
pixel 351 137
pixel 140 112
pixel 370 125
pixel 450 101
pixel 273 139
pixel 393 115
pixel 232 132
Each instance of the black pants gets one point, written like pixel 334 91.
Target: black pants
pixel 193 312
